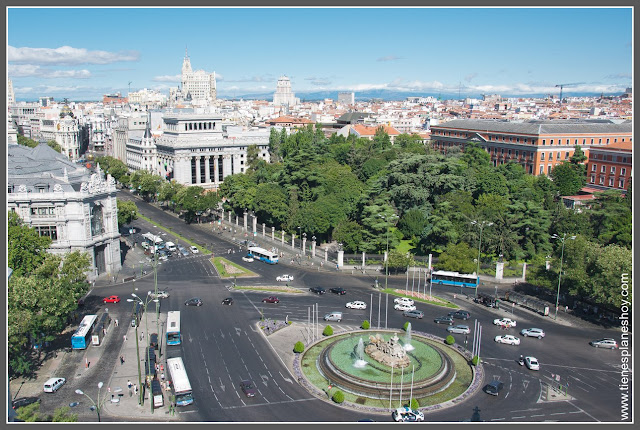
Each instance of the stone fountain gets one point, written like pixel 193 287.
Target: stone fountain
pixel 407 339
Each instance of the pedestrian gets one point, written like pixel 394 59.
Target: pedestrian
pixel 124 337
pixel 162 376
pixel 141 335
pixel 135 389
pixel 116 322
pixel 121 360
pixel 162 367
pixel 129 384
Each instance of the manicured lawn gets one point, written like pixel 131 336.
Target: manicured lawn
pixel 229 269
pixel 168 230
pixel 420 297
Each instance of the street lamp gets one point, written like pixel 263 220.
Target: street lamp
pixel 386 278
pixel 481 225
pixel 144 304
pixel 304 241
pixel 98 404
pixel 562 239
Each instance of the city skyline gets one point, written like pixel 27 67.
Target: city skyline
pixel 473 51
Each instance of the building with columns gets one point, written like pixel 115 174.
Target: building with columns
pixel 64 201
pixel 65 131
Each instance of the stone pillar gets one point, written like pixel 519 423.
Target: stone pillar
pixel 215 169
pixel 254 230
pixel 229 217
pixel 197 170
pixel 430 255
pixel 326 255
pixel 283 238
pixel 340 258
pixel 293 238
pixel 273 233
pixel 206 169
pixel 237 221
pixel 263 231
pixel 313 248
pixel 385 257
pixel 304 245
pixel 499 270
pixel 524 272
pixel 245 220
pixel 363 260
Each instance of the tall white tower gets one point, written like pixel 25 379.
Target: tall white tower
pixel 11 97
pixel 283 94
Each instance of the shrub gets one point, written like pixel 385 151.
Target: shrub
pixel 338 397
pixel 298 347
pixel 404 327
pixel 365 325
pixel 328 331
pixel 475 360
pixel 450 340
pixel 414 403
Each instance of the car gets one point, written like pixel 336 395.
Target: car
pixel 494 387
pixel 248 388
pixel 284 278
pixel 533 332
pixel 317 290
pixel 443 320
pixel 504 322
pixel 160 295
pixel 194 249
pixel 404 307
pixel 183 251
pixel 271 299
pixel 460 314
pixel 53 384
pixel 194 301
pixel 227 301
pixel 247 258
pixel 413 314
pixel 24 401
pixel 163 255
pixel 407 414
pixel 508 339
pixel 532 363
pixel 403 300
pixel 356 305
pixel 339 291
pixel 604 343
pixel 463 329
pixel 333 316
pixel 144 245
pixel 111 299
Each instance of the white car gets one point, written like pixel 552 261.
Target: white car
pixel 247 259
pixel 506 322
pixel 284 278
pixel 508 339
pixel 533 332
pixel 407 414
pixel 532 363
pixel 160 295
pixel 194 249
pixel 356 305
pixel 404 307
pixel 403 300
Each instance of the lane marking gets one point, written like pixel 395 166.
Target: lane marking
pixel 537 415
pixel 587 413
pixel 271 403
pixel 558 413
pixel 517 418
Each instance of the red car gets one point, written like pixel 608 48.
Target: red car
pixel 271 299
pixel 111 299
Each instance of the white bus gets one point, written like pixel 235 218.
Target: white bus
pixel 81 338
pixel 263 255
pixel 173 328
pixel 179 382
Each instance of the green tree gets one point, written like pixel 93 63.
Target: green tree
pixel 450 340
pixel 25 141
pixel 270 204
pixel 64 415
pixel 349 233
pixel 458 258
pixel 475 157
pixel 338 397
pixel 26 248
pixel 253 156
pixel 413 223
pixel 55 146
pixel 29 413
pixel 611 219
pixel 568 178
pixel 578 156
pixel 127 212
pixel 365 325
pixel 399 261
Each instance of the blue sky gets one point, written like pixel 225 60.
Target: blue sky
pixel 83 53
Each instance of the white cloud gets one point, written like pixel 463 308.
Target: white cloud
pixel 26 70
pixel 389 58
pixel 470 77
pixel 167 78
pixel 67 55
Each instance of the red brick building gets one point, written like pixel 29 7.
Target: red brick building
pixel 610 167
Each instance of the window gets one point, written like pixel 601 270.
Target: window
pixel 613 170
pixel 599 141
pixel 594 167
pixel 607 141
pixel 592 141
pixel 542 156
pixel 584 141
pixel 551 156
pixel 509 152
pixel 576 141
pixel 603 169
pixel 551 143
pixel 43 211
pixel 623 171
pixel 541 170
pixel 517 154
pixel 611 182
pixel 544 141
pixel 593 179
pixel 601 180
pixel 621 183
pixel 49 231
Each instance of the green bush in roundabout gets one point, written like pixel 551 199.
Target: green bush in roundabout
pixel 328 331
pixel 450 340
pixel 365 325
pixel 338 397
pixel 298 347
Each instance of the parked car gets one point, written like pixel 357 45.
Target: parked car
pixel 403 300
pixel 508 339
pixel 194 249
pixel 463 329
pixel 161 295
pixel 284 278
pixel 339 291
pixel 333 316
pixel 248 388
pixel 604 343
pixel 404 307
pixel 533 332
pixel 532 363
pixel 271 299
pixel 163 255
pixel 111 299
pixel 228 301
pixel 53 384
pixel 317 290
pixel 504 322
pixel 356 305
pixel 443 320
pixel 413 314
pixel 460 314
pixel 183 251
pixel 407 414
pixel 248 259
pixel 24 401
pixel 194 301
pixel 494 387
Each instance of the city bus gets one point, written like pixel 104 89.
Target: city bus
pixel 82 336
pixel 179 382
pixel 454 279
pixel 173 328
pixel 101 329
pixel 263 255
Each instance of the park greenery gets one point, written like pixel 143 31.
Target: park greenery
pixel 25 141
pixel 43 293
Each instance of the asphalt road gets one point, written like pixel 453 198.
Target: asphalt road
pixel 221 346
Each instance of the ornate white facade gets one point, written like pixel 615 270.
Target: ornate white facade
pixel 62 200
pixel 197 86
pixel 283 94
pixel 65 132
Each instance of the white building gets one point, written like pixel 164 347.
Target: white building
pixel 198 86
pixel 147 97
pixel 128 122
pixel 141 149
pixel 62 200
pixel 11 96
pixel 283 94
pixel 347 97
pixel 64 130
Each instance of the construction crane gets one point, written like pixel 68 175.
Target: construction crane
pixel 567 85
pixel 130 87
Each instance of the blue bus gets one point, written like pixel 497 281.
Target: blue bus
pixel 82 337
pixel 263 255
pixel 454 279
pixel 173 328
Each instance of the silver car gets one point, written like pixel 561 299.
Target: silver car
pixel 463 329
pixel 532 332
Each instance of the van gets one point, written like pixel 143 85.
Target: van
pixel 494 387
pixel 333 316
pixel 52 385
pixel 171 247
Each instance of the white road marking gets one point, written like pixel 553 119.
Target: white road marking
pixel 587 413
pixel 516 418
pixel 558 413
pixel 537 415
pixel 497 419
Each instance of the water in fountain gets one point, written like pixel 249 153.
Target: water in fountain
pixel 360 361
pixel 407 339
